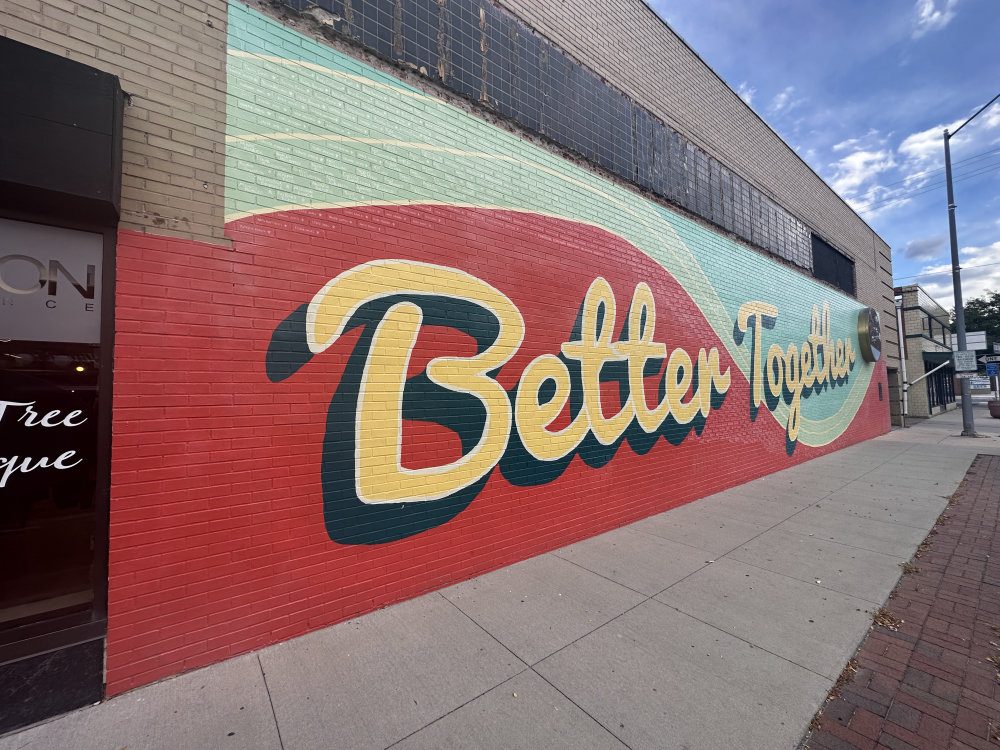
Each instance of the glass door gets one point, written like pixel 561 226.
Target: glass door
pixel 48 424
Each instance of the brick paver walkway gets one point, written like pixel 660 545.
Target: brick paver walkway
pixel 930 684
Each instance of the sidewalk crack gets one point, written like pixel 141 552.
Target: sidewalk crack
pixel 270 701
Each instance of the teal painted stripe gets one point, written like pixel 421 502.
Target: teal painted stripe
pixel 310 127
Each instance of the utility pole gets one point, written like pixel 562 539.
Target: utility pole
pixel 968 422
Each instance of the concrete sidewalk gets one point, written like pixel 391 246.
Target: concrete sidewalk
pixel 720 624
pixel 925 678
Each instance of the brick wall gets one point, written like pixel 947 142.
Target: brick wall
pixel 170 58
pixel 917 309
pixel 246 507
pixel 276 470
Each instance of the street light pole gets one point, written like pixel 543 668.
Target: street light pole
pixel 968 422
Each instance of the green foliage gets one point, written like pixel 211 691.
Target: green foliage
pixel 983 314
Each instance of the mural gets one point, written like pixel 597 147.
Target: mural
pixel 613 283
pixel 431 350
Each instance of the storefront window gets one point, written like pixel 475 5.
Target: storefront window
pixel 49 367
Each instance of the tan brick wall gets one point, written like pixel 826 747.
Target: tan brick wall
pixel 631 48
pixel 170 56
pixel 913 323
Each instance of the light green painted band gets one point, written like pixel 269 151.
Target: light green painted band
pixel 309 127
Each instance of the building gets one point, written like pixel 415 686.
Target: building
pixel 925 335
pixel 311 309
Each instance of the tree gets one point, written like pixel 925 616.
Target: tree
pixel 983 314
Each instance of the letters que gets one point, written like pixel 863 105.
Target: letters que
pixel 30 417
pixel 371 498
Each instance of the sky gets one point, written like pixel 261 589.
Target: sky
pixel 863 90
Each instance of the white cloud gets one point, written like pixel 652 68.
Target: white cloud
pixel 870 139
pixel 932 16
pixel 991 117
pixel 914 167
pixel 980 273
pixel 783 100
pixel 746 93
pixel 857 168
pixel 925 248
pixel 844 145
pixel 920 149
pixel 922 153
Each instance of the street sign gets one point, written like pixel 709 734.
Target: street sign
pixel 988 358
pixel 966 375
pixel 993 369
pixel 974 340
pixel 966 361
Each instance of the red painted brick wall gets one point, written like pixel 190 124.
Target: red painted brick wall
pixel 218 543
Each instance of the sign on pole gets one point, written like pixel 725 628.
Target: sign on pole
pixel 988 358
pixel 965 361
pixel 974 341
pixel 993 369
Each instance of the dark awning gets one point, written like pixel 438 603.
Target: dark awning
pixel 937 357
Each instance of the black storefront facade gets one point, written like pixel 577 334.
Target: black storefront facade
pixel 941 381
pixel 60 184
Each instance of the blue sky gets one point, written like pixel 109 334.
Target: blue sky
pixel 862 90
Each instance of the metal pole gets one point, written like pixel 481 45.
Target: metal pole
pixel 968 422
pixel 906 386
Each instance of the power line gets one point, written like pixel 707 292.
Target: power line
pixel 881 203
pixel 944 272
pixel 913 193
pixel 981 155
pixel 979 169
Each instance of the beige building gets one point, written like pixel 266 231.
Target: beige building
pixel 925 344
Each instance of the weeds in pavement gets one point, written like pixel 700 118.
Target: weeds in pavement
pixel 845 678
pixel 994 731
pixel 909 567
pixel 885 619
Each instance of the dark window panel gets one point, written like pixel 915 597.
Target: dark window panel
pixel 832 266
pixel 529 80
pixel 715 191
pixel 677 179
pixel 642 133
pixel 661 159
pixel 501 61
pixel 623 137
pixel 466 48
pixel 419 32
pixel 374 23
pixel 555 111
pixel 703 202
pixel 486 54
